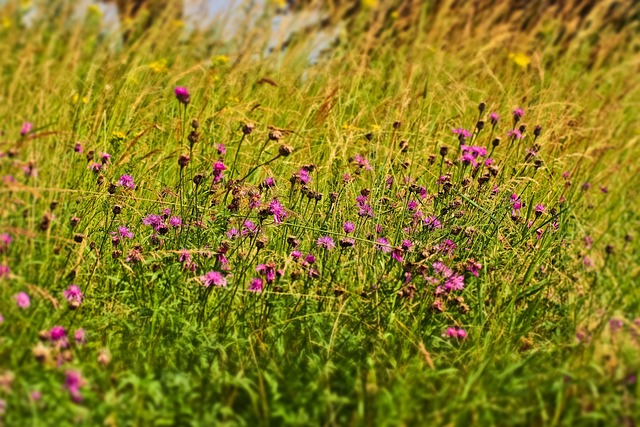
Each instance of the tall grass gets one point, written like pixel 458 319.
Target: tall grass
pixel 369 332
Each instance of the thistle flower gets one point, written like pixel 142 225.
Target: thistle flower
pixel 74 295
pixel 214 278
pixel 326 242
pixel 303 176
pixel 494 118
pixel 26 128
pixel 23 300
pixel 461 132
pixel 382 244
pixel 348 227
pixel 539 209
pixel 277 210
pixel 361 162
pixel 126 181
pixel 256 285
pixel 517 114
pixel 222 149
pixel 182 94
pixel 73 382
pixel 218 171
pixel 57 333
pixel 125 232
pixel 268 270
pixel 515 134
pixel 175 221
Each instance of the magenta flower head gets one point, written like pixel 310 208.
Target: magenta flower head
pixel 4 271
pixel 222 149
pixel 74 295
pixel 349 227
pixel 23 300
pixel 182 94
pixel 57 333
pixel 78 148
pixel 73 381
pixel 326 242
pixel 458 333
pixel 494 118
pixel 256 285
pixel 126 181
pixel 80 336
pixel 214 278
pixel 26 128
pixel 517 114
pixel 218 171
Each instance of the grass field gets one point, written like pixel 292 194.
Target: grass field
pixel 434 223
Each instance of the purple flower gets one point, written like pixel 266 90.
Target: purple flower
pixel 125 232
pixel 310 259
pixel 494 118
pixel 80 336
pixel 126 181
pixel 268 270
pixel 222 149
pixel 457 333
pixel 296 254
pixel 73 381
pixel 57 333
pixel 182 94
pixel 348 227
pixel 232 233
pixel 156 221
pixel 105 158
pixel 214 278
pixel 517 114
pixel 412 206
pixel 218 171
pixel 268 182
pixel 382 244
pixel 303 175
pixel 362 162
pixel 94 167
pixel 175 221
pixel 26 128
pixel 462 133
pixel 277 210
pixel 432 223
pixel 256 285
pixel 74 295
pixel 326 242
pixel 539 208
pixel 23 300
pixel 515 134
pixel 249 228
pixel 4 271
pixel 473 267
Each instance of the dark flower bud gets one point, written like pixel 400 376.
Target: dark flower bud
pixel 480 124
pixel 365 192
pixel 284 150
pixel 183 160
pixel 53 205
pixel 198 179
pixel 74 221
pixel 522 128
pixel 495 142
pixel 116 254
pixel 193 137
pixel 537 130
pixel 368 136
pixel 117 209
pixel 609 249
pixel 163 229
pixel 333 197
pixel 396 125
pixel 444 151
pixel 482 106
pixel 275 135
pixel 112 188
pixel 261 241
pixel 195 124
pixel 248 128
pixel 78 238
pixel 318 196
pixel 89 155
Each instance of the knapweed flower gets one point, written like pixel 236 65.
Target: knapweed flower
pixel 473 267
pixel 268 270
pixel 94 167
pixel 4 271
pixel 182 94
pixel 78 148
pixel 382 244
pixel 222 149
pixel 73 382
pixel 515 134
pixel 348 227
pixel 361 162
pixel 494 118
pixel 303 176
pixel 256 285
pixel 268 183
pixel 105 158
pixel 539 209
pixel 175 221
pixel 125 232
pixel 80 336
pixel 364 208
pixel 249 228
pixel 431 223
pixel 461 132
pixel 457 333
pixel 326 242
pixel 233 233
pixel 516 204
pixel 26 128
pixel 23 300
pixel 517 114
pixel 57 333
pixel 74 295
pixel 214 278
pixel 156 221
pixel 126 181
pixel 277 210
pixel 218 171
pixel 5 241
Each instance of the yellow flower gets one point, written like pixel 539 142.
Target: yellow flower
pixel 76 98
pixel 25 4
pixel 395 14
pixel 520 59
pixel 118 136
pixel 375 128
pixel 370 3
pixel 178 23
pixel 220 59
pixel 159 66
pixel 94 10
pixel 6 22
pixel 279 3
